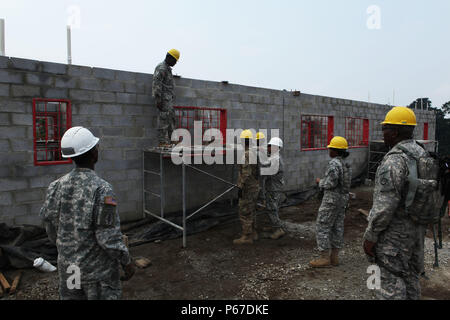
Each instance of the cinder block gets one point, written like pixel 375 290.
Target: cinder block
pixel 15 183
pixel 4 90
pixel 101 121
pixel 114 154
pixel 13 132
pixel 4 144
pixel 6 198
pixel 79 71
pixel 55 68
pixel 125 76
pixel 4 119
pixel 52 93
pixel 123 121
pixel 24 64
pixel 132 110
pixel 103 73
pixel 14 210
pixel 4 62
pixel 21 145
pixel 114 175
pixel 39 79
pixel 90 84
pixel 113 131
pixel 81 95
pixel 144 77
pixel 88 108
pixel 101 96
pixel 41 182
pixel 25 91
pixel 133 154
pixel 66 82
pixel 34 220
pixel 134 132
pixel 110 109
pixel 112 85
pixel 15 158
pixel 127 98
pixel 144 99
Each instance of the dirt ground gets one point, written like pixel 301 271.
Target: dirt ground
pixel 211 267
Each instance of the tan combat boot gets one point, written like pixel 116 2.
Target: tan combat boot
pixel 323 261
pixel 334 257
pixel 277 234
pixel 245 239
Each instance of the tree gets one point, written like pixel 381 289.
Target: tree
pixel 420 103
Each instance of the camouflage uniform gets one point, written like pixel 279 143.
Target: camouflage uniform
pixel 330 219
pixel 163 88
pixel 273 187
pixel 80 216
pixel 248 182
pixel 262 158
pixel 399 249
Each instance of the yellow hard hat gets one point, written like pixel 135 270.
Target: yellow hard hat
pixel 174 53
pixel 247 134
pixel 400 116
pixel 338 143
pixel 260 136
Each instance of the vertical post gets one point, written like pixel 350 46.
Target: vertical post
pixel 161 183
pixel 2 37
pixel 143 184
pixel 184 203
pixel 69 45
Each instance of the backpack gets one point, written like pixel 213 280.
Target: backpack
pixel 424 198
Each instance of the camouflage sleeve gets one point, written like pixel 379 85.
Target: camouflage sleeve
pixel 389 183
pixel 157 84
pixel 50 211
pixel 331 179
pixel 107 222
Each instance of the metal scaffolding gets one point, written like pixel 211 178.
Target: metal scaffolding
pixel 161 154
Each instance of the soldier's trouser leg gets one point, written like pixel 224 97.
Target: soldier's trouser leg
pixel 247 208
pixel 325 221
pixel 273 204
pixel 337 231
pixel 101 290
pixel 163 127
pixel 171 122
pixel 393 287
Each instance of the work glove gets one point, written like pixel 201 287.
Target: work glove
pixel 129 271
pixel 369 248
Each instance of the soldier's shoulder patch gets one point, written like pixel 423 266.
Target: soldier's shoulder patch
pixel 110 201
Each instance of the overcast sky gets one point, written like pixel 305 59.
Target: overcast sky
pixel 342 49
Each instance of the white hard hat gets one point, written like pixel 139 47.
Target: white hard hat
pixel 276 142
pixel 76 141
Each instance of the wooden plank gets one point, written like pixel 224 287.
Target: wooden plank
pixel 4 282
pixel 364 212
pixel 15 283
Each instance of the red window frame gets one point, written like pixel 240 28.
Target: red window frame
pixel 56 122
pixel 425 131
pixel 210 117
pixel 357 132
pixel 316 132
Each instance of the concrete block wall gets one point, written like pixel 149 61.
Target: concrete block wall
pixel 118 108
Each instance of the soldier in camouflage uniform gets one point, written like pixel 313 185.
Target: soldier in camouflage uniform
pixel 163 94
pixel 330 219
pixel 248 184
pixel 273 186
pixel 80 217
pixel 392 240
